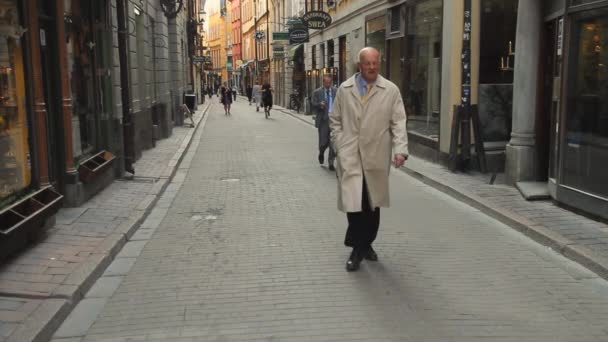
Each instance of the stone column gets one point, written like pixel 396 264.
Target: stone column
pixel 521 159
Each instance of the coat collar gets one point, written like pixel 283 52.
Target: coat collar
pixel 352 81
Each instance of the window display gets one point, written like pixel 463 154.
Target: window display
pixel 423 67
pixel 82 50
pixel 15 167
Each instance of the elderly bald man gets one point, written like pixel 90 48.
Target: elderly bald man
pixel 368 131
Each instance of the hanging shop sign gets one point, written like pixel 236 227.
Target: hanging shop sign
pixel 278 52
pixel 298 35
pixel 201 59
pixel 316 19
pixel 280 36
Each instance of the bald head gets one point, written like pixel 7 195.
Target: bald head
pixel 369 63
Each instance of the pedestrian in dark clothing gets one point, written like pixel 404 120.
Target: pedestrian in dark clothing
pixel 249 92
pixel 234 93
pixel 322 105
pixel 226 98
pixel 267 97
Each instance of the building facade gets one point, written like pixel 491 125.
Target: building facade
pixel 217 52
pixel 85 88
pixel 564 141
pixel 537 82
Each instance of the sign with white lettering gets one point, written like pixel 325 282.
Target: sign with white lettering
pixel 298 35
pixel 316 19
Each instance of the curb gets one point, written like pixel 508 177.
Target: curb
pixel 86 274
pixel 537 232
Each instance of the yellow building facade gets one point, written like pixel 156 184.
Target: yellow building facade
pixel 215 46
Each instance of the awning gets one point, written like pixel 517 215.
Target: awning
pixel 246 63
pixel 294 50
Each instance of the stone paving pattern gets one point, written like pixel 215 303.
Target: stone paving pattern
pixel 40 285
pixel 247 246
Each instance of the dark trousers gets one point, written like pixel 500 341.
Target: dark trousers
pixel 363 225
pixel 332 156
pixel 324 140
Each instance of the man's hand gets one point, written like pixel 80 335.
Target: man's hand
pixel 399 160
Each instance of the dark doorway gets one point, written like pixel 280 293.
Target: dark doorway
pixel 546 121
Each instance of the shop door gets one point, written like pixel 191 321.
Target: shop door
pixel 52 96
pixel 547 120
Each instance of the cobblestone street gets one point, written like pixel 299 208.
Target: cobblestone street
pixel 245 244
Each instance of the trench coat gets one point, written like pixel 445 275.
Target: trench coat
pixel 365 137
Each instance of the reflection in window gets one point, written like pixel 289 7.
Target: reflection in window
pixel 15 168
pixel 496 68
pixel 586 150
pixel 82 47
pixel 423 67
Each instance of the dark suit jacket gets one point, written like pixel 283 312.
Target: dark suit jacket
pixel 321 114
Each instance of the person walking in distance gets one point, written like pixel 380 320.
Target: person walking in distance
pixel 249 91
pixel 226 98
pixel 257 95
pixel 322 104
pixel 368 129
pixel 267 98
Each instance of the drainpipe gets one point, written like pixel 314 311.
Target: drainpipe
pixel 127 111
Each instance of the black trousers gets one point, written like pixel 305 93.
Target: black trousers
pixel 363 225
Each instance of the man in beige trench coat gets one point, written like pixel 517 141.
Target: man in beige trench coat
pixel 367 132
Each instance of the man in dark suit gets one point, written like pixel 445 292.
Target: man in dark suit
pixel 322 105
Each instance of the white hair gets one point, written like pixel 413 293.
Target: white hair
pixel 365 49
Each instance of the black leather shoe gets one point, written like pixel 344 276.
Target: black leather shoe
pixel 371 255
pixel 354 262
pixel 321 159
pixel 331 167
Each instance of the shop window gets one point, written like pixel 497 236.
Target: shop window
pixel 585 153
pixel 422 67
pixel 323 60
pixel 15 168
pixel 330 53
pixel 81 49
pixel 496 64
